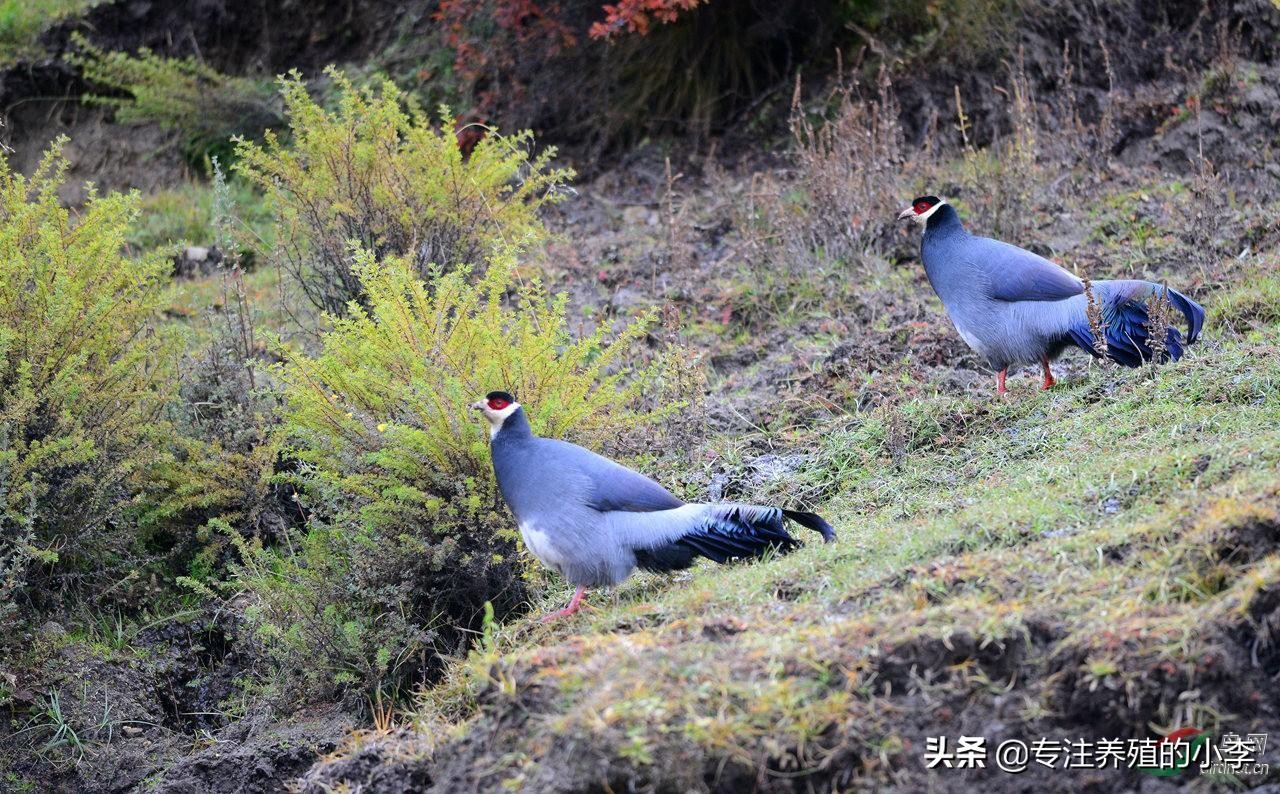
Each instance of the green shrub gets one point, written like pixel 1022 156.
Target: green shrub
pixel 406 540
pixel 17 545
pixel 85 372
pixel 219 461
pixel 22 22
pixel 221 458
pixel 376 171
pixel 204 105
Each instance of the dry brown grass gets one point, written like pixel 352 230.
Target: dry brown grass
pixel 1097 325
pixel 1006 182
pixel 835 205
pixel 851 165
pixel 1159 320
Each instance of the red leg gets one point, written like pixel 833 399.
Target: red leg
pixel 574 604
pixel 1000 389
pixel 1048 374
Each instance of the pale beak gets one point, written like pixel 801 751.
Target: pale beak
pixel 907 213
pixel 478 405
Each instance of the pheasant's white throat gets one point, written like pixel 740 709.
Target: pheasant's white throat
pixel 496 418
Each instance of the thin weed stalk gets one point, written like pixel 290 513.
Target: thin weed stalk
pixel 1097 324
pixel 1159 320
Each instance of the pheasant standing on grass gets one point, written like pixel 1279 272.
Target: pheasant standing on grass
pixel 1014 307
pixel 594 521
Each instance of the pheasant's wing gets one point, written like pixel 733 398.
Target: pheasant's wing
pixel 612 486
pixel 1019 275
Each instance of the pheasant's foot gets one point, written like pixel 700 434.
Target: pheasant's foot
pixel 1048 374
pixel 575 604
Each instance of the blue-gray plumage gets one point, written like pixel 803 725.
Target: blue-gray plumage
pixel 594 521
pixel 1014 307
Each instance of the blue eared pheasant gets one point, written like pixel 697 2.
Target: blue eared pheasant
pixel 1014 307
pixel 595 521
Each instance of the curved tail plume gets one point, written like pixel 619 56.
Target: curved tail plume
pixel 724 532
pixel 1126 318
pixel 812 521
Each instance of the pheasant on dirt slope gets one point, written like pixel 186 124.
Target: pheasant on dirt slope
pixel 594 521
pixel 1014 307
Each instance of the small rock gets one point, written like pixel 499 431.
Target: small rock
pixel 196 260
pixel 715 490
pixel 634 216
pixel 769 468
pixel 724 627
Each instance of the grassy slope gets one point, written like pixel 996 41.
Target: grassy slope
pixel 1098 560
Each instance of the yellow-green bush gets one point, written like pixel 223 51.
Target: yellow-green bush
pixel 206 106
pixel 84 373
pixel 17 544
pixel 377 171
pixel 406 537
pixel 220 460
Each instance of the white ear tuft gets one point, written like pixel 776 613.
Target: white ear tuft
pixel 923 217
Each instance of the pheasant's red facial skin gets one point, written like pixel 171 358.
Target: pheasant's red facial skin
pixel 496 407
pixel 921 208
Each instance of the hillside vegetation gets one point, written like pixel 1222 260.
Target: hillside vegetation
pixel 1099 561
pixel 251 539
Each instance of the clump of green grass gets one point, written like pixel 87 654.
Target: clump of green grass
pixel 1251 301
pixel 62 742
pixel 185 215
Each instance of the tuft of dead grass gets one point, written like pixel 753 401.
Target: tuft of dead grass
pixel 1159 320
pixel 832 211
pixel 1097 324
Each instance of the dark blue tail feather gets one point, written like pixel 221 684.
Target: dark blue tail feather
pixel 1128 333
pixel 732 536
pixel 663 559
pixel 812 521
pixel 1191 310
